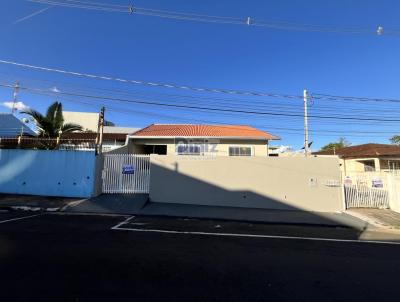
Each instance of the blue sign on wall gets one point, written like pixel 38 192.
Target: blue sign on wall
pixel 128 169
pixel 377 183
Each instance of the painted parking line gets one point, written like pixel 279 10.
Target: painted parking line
pixel 20 218
pixel 119 227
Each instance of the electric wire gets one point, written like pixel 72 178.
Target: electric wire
pixel 247 21
pixel 205 108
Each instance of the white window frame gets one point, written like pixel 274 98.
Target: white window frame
pixel 241 146
pixel 188 146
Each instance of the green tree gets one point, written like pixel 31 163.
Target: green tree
pixel 336 145
pixel 395 139
pixel 52 123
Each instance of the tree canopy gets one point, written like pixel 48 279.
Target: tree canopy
pixel 336 145
pixel 395 139
pixel 52 123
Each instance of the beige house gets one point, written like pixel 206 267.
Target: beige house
pixel 367 158
pixel 201 140
pixel 88 120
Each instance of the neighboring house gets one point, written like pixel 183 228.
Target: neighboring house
pixel 113 137
pixel 11 126
pixel 184 139
pixel 88 120
pixel 367 157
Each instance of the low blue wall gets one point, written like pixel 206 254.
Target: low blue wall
pixel 47 172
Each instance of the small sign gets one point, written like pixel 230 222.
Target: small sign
pixel 128 169
pixel 377 183
pixel 348 182
pixel 332 183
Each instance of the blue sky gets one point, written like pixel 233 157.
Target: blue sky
pixel 215 56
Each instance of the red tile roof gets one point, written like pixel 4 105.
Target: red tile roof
pixel 236 131
pixel 366 150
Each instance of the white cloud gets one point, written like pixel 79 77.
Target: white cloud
pixel 18 105
pixel 55 89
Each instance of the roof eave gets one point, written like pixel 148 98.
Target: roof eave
pixel 204 137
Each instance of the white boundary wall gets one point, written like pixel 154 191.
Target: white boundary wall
pixel 312 183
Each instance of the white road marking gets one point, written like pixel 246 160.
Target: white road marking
pixel 117 227
pixel 19 218
pixel 87 214
pixel 73 204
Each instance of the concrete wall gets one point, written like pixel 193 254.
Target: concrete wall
pixel 47 172
pixel 257 182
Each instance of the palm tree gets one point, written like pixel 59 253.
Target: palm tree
pixel 52 124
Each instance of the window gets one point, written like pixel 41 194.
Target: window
pixel 240 151
pixel 394 165
pixel 369 166
pixel 155 149
pixel 188 149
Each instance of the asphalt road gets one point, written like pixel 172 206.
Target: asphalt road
pixel 55 257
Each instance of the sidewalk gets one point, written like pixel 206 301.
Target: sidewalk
pixel 34 203
pixel 137 204
pixel 379 218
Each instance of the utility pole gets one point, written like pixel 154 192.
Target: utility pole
pixel 305 98
pixel 100 130
pixel 15 94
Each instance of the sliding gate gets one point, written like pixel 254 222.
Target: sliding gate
pixel 126 173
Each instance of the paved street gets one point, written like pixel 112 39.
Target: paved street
pixel 54 257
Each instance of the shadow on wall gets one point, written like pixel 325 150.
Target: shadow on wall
pixel 311 184
pixel 171 186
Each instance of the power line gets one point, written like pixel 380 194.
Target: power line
pixel 31 15
pixel 331 97
pixel 234 104
pixel 204 108
pixel 152 84
pixel 199 89
pixel 282 130
pixel 247 21
pixel 227 102
pixel 329 133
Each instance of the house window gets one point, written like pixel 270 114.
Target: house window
pixel 394 165
pixel 189 149
pixel 369 166
pixel 240 151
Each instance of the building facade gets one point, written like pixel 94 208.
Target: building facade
pixel 367 158
pixel 200 140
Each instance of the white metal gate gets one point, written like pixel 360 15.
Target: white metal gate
pixel 126 173
pixel 369 190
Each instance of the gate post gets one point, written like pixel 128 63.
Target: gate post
pixel 393 186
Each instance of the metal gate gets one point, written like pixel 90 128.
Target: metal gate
pixel 126 173
pixel 368 190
